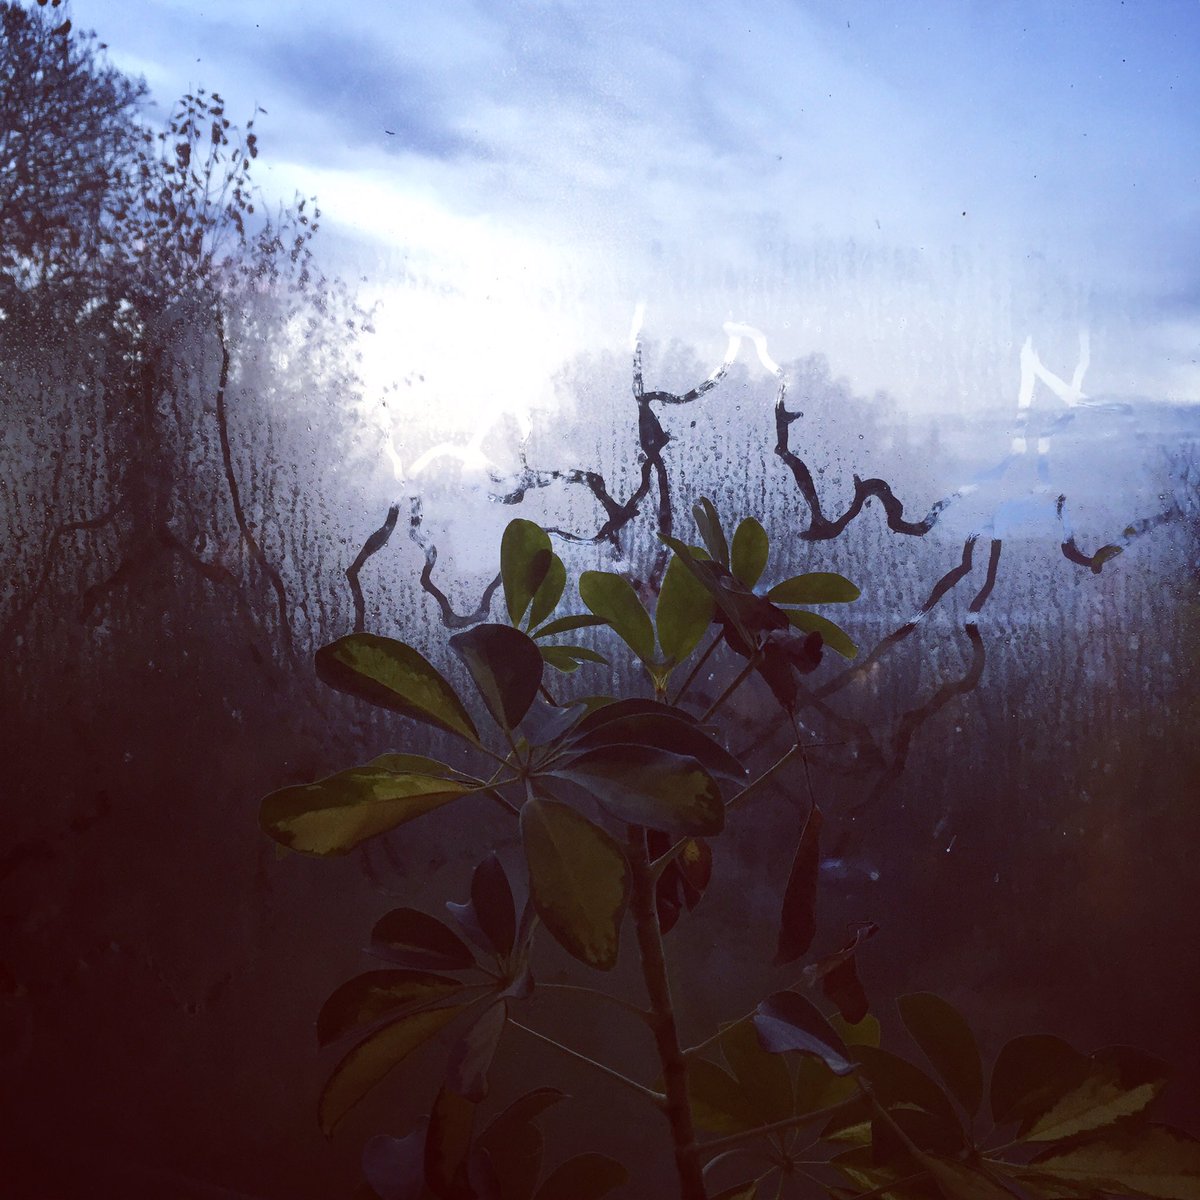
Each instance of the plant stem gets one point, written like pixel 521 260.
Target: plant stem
pixel 687 683
pixel 573 987
pixel 644 910
pixel 741 678
pixel 746 1135
pixel 649 1093
pixel 778 764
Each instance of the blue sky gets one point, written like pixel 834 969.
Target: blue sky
pixel 888 183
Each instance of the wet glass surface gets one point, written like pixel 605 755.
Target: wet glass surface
pixel 599 268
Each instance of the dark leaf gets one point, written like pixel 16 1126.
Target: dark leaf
pixel 798 923
pixel 684 610
pixel 525 558
pixel 393 675
pixel 471 1058
pixel 711 533
pixel 837 975
pixel 495 910
pixel 1030 1074
pixel 667 730
pixel 514 1144
pixel 739 1191
pixel 748 555
pixel 549 592
pixel 650 787
pixel 816 587
pixel 506 666
pixel 335 814
pixel 898 1083
pixel 620 710
pixel 787 1021
pixel 447 1144
pixel 394 1167
pixel 961 1181
pixel 947 1041
pixel 578 880
pixel 416 939
pixel 373 1058
pixel 613 598
pixel 585 1177
pixel 368 998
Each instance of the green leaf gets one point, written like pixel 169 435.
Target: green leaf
pixel 506 666
pixel 584 1177
pixel 862 1033
pixel 815 587
pixel 832 635
pixel 333 815
pixel 374 1057
pixel 415 939
pixel 787 1021
pixel 613 598
pixel 1030 1074
pixel 651 787
pixel 748 556
pixel 763 1077
pixel 578 880
pixel 719 1103
pixel 549 593
pixel 525 561
pixel 568 658
pixel 393 675
pixel 370 997
pixel 567 624
pixel 684 610
pixel 494 908
pixel 1153 1160
pixel 1121 1082
pixel 709 524
pixel 947 1041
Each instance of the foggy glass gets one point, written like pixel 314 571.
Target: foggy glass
pixel 1008 768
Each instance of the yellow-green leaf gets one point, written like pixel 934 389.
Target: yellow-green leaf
pixel 374 995
pixel 748 555
pixel 1120 1083
pixel 684 610
pixel 393 675
pixel 525 561
pixel 1154 1160
pixel 374 1057
pixel 549 592
pixel 814 587
pixel 832 635
pixel 578 880
pixel 613 598
pixel 764 1077
pixel 333 815
pixel 719 1104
